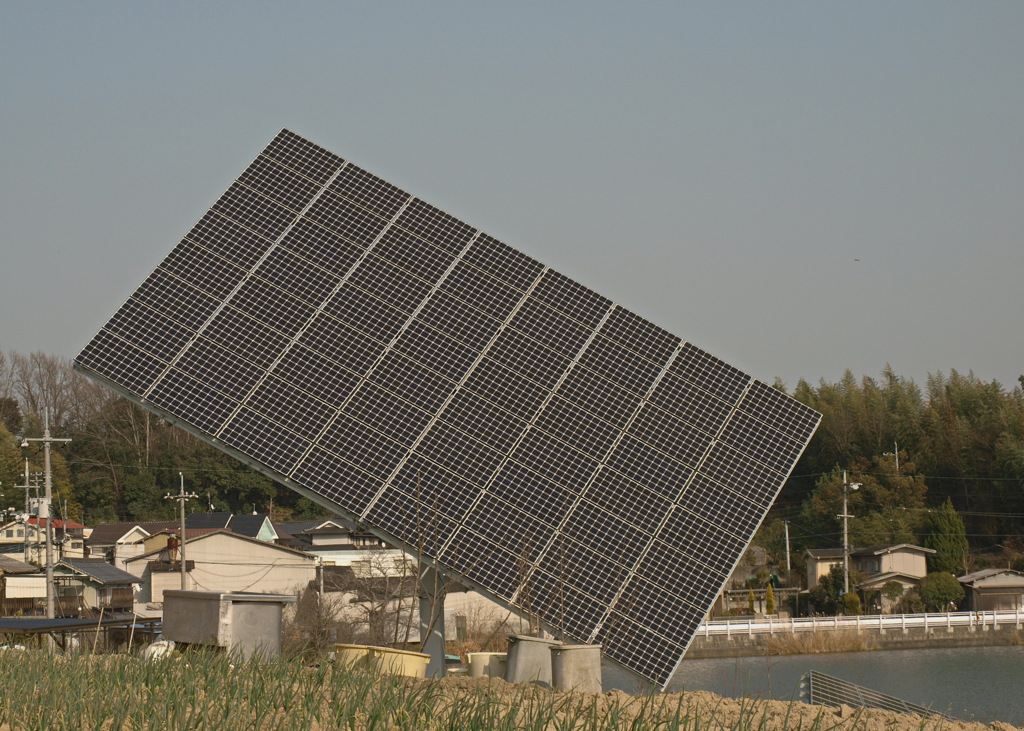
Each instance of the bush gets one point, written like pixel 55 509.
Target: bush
pixel 940 592
pixel 851 604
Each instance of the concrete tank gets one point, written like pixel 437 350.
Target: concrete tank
pixel 246 624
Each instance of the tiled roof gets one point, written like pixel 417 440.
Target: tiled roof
pixel 10 565
pixel 109 533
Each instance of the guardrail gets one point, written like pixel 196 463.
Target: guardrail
pixel 877 622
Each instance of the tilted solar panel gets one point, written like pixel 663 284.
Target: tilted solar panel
pixel 554 449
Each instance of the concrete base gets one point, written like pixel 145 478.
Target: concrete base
pixel 576 667
pixel 529 660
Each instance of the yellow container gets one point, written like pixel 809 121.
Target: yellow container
pixel 399 662
pixel 487 664
pixel 352 656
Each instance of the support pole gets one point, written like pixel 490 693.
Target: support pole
pixel 432 640
pixel 44 508
pixel 182 497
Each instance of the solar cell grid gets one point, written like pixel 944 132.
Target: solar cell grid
pixel 670 434
pixel 620 496
pixel 340 343
pixel 213 365
pixel 614 539
pixel 272 306
pixel 528 358
pixel 303 156
pixel 366 313
pixel 554 459
pixel 321 247
pixel 503 262
pixel 368 191
pixel 175 299
pixel 503 387
pixel 300 279
pixel 529 491
pixel 350 488
pixel 387 413
pixel 254 210
pixel 228 239
pixel 690 403
pixel 290 407
pixel 367 449
pixel 574 612
pixel 457 319
pixel 599 396
pixel 346 219
pixel 459 453
pixel 434 225
pixel 577 428
pixel 646 465
pixel 549 327
pixel 491 424
pixel 436 351
pixel 389 284
pixel 148 329
pixel 584 305
pixel 756 438
pixel 277 182
pixel 709 373
pixel 407 252
pixel 437 489
pixel 784 413
pixel 481 291
pixel 121 362
pixel 421 388
pixel 255 435
pixel 203 269
pixel 196 402
pixel 365 346
pixel 244 337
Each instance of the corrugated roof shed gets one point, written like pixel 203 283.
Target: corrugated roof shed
pixel 100 571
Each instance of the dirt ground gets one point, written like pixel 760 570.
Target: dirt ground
pixel 704 710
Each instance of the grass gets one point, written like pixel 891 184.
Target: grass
pixel 207 690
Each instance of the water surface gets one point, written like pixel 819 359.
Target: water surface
pixel 973 683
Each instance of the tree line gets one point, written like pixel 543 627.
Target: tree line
pixel 956 440
pixel 938 465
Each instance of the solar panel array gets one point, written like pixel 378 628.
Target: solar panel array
pixel 521 430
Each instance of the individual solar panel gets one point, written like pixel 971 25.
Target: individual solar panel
pixel 548 446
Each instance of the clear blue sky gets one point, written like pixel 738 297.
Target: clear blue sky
pixel 799 188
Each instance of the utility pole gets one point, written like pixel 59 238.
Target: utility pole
pixel 846 534
pixel 182 497
pixel 44 507
pixel 789 578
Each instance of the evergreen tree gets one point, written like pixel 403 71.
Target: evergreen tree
pixel 948 537
pixel 769 602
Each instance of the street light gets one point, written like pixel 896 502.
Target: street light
pixel 846 535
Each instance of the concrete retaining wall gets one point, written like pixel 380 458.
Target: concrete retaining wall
pixel 912 638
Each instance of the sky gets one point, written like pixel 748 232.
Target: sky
pixel 800 188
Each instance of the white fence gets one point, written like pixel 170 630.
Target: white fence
pixel 875 622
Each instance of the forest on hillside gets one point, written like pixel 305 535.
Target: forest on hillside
pixel 912 447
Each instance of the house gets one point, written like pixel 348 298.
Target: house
pixel 88 586
pixel 22 588
pixel 337 542
pixel 28 537
pixel 876 566
pixel 220 560
pixel 117 542
pixel 991 589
